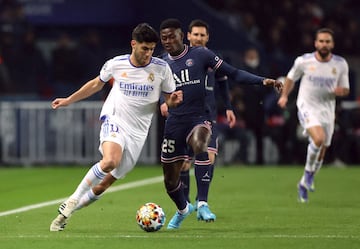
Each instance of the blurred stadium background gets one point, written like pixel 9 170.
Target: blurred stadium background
pixel 50 48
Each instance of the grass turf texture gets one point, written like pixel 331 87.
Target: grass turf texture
pixel 256 207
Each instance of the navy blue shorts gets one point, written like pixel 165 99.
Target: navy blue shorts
pixel 176 134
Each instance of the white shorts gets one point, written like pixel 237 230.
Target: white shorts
pixel 308 117
pixel 131 146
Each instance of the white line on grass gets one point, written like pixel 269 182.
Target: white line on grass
pixel 168 235
pixel 135 184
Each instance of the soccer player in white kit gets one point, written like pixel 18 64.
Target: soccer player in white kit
pixel 324 76
pixel 138 81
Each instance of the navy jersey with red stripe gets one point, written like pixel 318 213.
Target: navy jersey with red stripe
pixel 190 70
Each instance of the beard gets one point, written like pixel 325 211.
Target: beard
pixel 324 53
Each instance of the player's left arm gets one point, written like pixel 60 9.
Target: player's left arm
pixel 244 77
pixel 224 92
pixel 343 88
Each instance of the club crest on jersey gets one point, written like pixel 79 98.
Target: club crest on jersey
pixel 189 62
pixel 151 77
pixel 124 74
pixel 333 71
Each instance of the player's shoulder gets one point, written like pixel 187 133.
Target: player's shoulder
pixel 199 49
pixel 338 58
pixel 121 57
pixel 307 56
pixel 117 60
pixel 158 61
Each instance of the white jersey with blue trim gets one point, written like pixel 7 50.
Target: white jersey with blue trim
pixel 318 81
pixel 134 96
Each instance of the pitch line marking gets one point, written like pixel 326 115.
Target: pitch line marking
pixel 168 235
pixel 121 187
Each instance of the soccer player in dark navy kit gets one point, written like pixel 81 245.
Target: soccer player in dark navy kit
pixel 198 35
pixel 188 129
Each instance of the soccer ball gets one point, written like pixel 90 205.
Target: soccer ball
pixel 150 217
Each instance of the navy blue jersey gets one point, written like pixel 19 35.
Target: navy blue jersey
pixel 190 70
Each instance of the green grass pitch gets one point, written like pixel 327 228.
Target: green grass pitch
pixel 256 207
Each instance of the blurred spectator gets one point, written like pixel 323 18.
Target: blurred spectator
pixel 33 78
pixel 253 98
pixel 91 57
pixel 66 70
pixel 239 132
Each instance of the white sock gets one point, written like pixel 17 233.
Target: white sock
pixel 312 154
pixel 92 178
pixel 201 203
pixel 87 199
pixel 318 165
pixel 185 210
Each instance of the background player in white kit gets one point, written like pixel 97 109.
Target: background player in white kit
pixel 324 76
pixel 139 80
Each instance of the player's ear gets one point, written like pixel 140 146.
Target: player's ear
pixel 188 36
pixel 133 43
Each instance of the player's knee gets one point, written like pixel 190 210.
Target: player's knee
pixel 319 141
pixel 108 164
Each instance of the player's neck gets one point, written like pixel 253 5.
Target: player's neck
pixel 176 53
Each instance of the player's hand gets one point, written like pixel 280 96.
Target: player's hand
pixel 176 98
pixel 59 102
pixel 277 84
pixel 164 110
pixel 231 118
pixel 282 101
pixel 341 91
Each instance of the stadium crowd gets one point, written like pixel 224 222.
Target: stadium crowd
pixel 279 31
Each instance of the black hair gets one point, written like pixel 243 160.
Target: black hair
pixel 325 30
pixel 170 23
pixel 198 23
pixel 145 33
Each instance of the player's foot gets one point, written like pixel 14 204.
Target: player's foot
pixel 302 194
pixel 58 224
pixel 204 213
pixel 68 207
pixel 65 210
pixel 178 218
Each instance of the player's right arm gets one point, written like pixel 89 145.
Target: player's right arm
pixel 88 89
pixel 293 75
pixel 288 86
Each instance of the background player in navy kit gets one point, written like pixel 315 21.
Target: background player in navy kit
pixel 188 124
pixel 198 35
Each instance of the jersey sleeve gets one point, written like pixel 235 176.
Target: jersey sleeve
pixel 296 71
pixel 344 77
pixel 106 71
pixel 223 68
pixel 223 91
pixel 168 85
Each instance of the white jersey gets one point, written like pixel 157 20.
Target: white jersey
pixel 133 98
pixel 318 81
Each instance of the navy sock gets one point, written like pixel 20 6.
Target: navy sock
pixel 177 195
pixel 203 175
pixel 185 178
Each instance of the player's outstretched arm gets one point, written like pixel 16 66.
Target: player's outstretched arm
pixel 88 89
